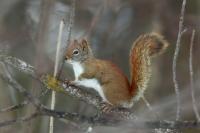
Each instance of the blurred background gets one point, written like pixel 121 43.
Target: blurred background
pixel 29 29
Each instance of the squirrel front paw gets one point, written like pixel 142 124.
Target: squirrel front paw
pixel 68 83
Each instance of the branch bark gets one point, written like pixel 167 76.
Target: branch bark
pixel 194 103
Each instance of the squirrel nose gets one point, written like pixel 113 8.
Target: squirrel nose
pixel 66 57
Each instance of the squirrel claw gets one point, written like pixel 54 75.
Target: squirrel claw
pixel 106 107
pixel 68 82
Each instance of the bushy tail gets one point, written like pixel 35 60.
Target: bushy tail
pixel 145 47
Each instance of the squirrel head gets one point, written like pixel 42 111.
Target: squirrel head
pixel 78 51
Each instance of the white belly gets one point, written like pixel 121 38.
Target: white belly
pixel 89 83
pixel 94 84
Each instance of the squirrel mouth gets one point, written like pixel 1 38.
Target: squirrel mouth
pixel 69 61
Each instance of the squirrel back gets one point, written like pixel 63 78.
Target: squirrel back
pixel 145 47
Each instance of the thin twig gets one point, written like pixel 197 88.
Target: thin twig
pixel 53 96
pixel 150 107
pixel 57 58
pixel 14 107
pixel 178 43
pixel 94 21
pixel 192 76
pixel 20 89
pixel 71 21
pixel 23 119
pixel 69 32
pixel 12 93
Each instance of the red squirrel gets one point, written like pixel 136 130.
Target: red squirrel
pixel 106 78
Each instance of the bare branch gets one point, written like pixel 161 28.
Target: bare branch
pixel 24 119
pixel 191 77
pixel 19 65
pixel 130 124
pixel 69 32
pixel 57 59
pixel 22 90
pixel 178 43
pixel 104 121
pixel 71 21
pixel 14 107
pixel 40 108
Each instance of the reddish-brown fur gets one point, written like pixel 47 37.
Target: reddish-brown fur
pixel 143 49
pixel 114 83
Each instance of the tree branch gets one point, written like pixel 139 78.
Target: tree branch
pixel 112 119
pixel 192 77
pixel 19 65
pixel 14 107
pixel 178 43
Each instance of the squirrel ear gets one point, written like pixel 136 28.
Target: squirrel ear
pixel 84 43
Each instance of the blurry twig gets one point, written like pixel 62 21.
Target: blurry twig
pixel 22 119
pixel 57 57
pixel 14 107
pixel 69 32
pixel 71 20
pixel 19 65
pixel 94 22
pixel 150 107
pixel 191 77
pixel 178 43
pixel 53 96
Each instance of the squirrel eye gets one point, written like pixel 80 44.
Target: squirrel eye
pixel 75 52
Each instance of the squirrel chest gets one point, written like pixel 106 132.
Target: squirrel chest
pixel 86 82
